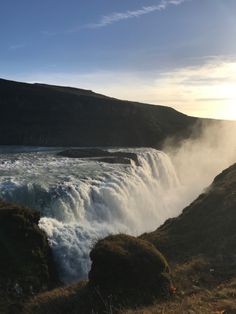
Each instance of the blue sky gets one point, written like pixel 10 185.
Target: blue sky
pixel 180 53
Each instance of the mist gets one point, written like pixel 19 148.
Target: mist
pixel 197 160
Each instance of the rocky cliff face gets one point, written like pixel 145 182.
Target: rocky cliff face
pixel 37 114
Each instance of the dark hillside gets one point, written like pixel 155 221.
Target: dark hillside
pixel 206 227
pixel 39 114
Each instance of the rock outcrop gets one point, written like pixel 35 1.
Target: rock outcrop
pixel 26 262
pixel 101 155
pixel 125 266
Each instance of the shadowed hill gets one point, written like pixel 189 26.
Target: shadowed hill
pixel 39 114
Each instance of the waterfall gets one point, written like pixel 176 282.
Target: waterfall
pixel 82 201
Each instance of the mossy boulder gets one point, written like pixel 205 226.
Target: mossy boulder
pixel 129 267
pixel 26 263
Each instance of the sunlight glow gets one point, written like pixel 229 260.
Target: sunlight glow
pixel 206 90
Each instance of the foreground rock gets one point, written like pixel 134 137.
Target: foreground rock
pixel 101 155
pixel 26 264
pixel 123 264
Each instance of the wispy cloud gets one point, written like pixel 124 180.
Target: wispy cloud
pixel 48 33
pixel 17 46
pixel 119 16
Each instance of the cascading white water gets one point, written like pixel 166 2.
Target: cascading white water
pixel 83 200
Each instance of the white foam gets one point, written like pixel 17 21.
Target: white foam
pixel 82 201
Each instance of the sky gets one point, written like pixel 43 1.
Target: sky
pixel 178 53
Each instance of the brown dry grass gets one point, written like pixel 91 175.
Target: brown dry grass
pixel 61 300
pixel 221 300
pixel 199 291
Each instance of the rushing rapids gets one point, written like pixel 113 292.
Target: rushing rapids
pixel 82 200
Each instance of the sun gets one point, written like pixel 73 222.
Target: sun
pixel 227 96
pixel 219 92
pixel 226 110
pixel 230 111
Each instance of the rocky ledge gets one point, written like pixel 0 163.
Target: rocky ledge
pixel 102 155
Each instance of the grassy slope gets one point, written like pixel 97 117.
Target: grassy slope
pixel 207 226
pixel 37 114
